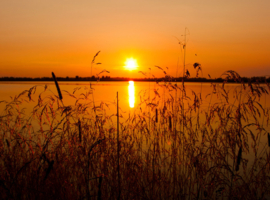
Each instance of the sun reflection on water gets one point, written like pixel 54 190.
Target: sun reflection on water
pixel 131 94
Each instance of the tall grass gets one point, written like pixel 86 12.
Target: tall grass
pixel 72 152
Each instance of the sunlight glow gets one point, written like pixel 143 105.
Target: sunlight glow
pixel 131 94
pixel 131 64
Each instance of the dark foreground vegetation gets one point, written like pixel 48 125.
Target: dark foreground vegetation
pixel 169 148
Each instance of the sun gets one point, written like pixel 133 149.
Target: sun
pixel 131 64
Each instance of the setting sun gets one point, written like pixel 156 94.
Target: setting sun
pixel 131 64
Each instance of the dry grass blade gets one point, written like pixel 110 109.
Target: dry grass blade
pixel 99 188
pixel 57 86
pixel 268 139
pixel 9 145
pixel 2 183
pixel 239 156
pixel 95 56
pixel 80 130
pixel 93 145
pixel 48 170
pixel 20 170
pixel 170 122
pixel 156 115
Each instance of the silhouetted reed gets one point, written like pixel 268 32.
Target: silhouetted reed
pixel 75 151
pixel 57 86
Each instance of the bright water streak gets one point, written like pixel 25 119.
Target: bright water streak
pixel 131 94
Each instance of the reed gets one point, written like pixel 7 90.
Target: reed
pixel 77 152
pixel 57 86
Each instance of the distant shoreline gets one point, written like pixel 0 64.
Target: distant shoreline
pixel 166 79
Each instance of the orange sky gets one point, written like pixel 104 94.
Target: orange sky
pixel 38 37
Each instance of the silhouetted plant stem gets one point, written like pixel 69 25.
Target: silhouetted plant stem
pixel 118 150
pixel 268 139
pixel 99 188
pixel 57 86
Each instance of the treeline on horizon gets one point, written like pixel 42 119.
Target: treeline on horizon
pixel 108 78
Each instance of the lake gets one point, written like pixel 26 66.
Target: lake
pixel 133 96
pixel 129 92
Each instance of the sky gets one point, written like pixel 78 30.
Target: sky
pixel 39 37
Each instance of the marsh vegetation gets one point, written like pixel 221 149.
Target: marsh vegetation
pixel 170 147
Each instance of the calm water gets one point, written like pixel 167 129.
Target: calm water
pixel 105 92
pixel 131 94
